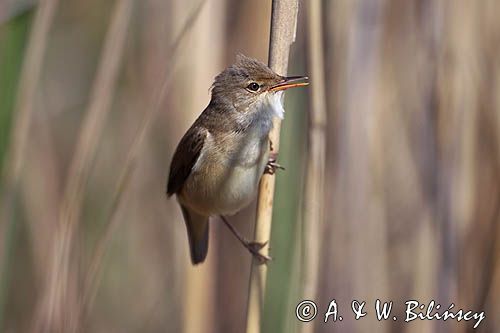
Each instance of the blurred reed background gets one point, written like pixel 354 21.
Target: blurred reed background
pixel 95 95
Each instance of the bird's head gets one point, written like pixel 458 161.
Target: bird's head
pixel 249 84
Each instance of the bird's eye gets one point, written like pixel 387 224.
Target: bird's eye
pixel 254 86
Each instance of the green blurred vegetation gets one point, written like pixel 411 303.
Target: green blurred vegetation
pixel 13 37
pixel 282 283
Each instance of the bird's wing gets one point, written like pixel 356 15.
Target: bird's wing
pixel 185 158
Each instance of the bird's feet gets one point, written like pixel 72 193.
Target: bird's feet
pixel 254 248
pixel 272 165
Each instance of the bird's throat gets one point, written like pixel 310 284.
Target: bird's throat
pixel 274 104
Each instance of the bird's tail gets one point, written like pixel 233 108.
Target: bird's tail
pixel 197 228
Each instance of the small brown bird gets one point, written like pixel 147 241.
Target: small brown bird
pixel 218 163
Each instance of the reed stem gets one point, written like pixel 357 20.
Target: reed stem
pixel 283 29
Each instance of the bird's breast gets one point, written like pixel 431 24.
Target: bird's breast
pixel 227 175
pixel 246 164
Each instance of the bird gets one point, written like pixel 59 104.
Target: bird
pixel 218 163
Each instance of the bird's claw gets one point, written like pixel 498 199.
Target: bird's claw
pixel 272 166
pixel 254 248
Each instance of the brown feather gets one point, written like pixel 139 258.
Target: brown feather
pixel 197 229
pixel 185 158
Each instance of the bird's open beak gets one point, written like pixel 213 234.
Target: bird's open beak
pixel 290 82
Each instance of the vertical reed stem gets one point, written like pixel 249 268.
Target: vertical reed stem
pixel 283 28
pixel 314 190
